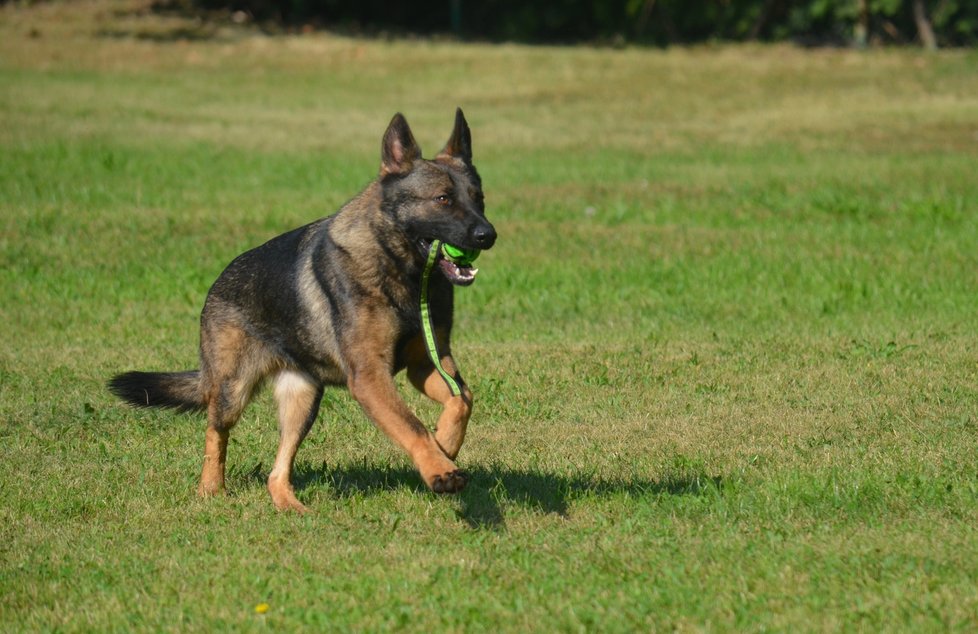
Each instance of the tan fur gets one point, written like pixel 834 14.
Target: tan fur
pixel 371 384
pixel 456 410
pixel 215 458
pixel 237 365
pixel 297 398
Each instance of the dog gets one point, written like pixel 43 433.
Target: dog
pixel 335 303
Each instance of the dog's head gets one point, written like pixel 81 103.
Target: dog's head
pixel 438 199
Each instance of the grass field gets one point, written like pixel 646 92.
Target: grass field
pixel 725 353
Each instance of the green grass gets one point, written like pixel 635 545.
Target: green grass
pixel 724 353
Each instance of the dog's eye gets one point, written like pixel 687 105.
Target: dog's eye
pixel 444 199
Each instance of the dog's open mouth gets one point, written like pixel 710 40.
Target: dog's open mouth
pixel 457 274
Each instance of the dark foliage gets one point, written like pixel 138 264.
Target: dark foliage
pixel 658 22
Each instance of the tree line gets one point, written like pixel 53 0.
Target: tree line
pixel 929 23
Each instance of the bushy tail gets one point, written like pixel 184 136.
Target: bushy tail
pixel 179 390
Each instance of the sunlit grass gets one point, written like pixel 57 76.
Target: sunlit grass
pixel 723 353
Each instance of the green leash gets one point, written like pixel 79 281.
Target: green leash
pixel 426 325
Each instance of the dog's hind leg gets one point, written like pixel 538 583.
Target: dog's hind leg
pixel 298 400
pixel 215 458
pixel 232 367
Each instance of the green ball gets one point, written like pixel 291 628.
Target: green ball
pixel 463 257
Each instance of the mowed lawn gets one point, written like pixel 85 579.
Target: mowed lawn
pixel 725 352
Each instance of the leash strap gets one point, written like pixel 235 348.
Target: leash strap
pixel 426 325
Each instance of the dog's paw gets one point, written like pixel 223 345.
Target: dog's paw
pixel 451 482
pixel 210 488
pixel 283 497
pixel 292 506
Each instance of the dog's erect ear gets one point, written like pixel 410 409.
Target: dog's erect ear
pixel 460 144
pixel 399 150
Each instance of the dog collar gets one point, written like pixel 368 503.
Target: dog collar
pixel 426 325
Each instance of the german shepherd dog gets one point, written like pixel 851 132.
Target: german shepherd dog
pixel 336 302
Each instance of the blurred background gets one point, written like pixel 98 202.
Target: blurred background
pixel 659 22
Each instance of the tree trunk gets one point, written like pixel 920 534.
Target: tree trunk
pixel 862 23
pixel 643 17
pixel 924 30
pixel 672 33
pixel 763 17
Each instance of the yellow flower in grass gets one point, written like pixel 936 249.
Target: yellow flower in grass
pixel 261 608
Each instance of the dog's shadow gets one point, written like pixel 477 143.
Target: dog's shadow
pixel 491 489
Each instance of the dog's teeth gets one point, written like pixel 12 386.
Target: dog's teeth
pixel 474 271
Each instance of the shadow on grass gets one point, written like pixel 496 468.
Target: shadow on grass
pixel 490 490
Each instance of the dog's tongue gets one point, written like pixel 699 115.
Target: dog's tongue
pixel 458 275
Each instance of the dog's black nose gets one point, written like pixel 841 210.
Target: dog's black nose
pixel 484 236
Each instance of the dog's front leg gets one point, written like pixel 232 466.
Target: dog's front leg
pixel 456 410
pixel 374 389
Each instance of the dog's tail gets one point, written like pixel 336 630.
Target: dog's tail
pixel 181 391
